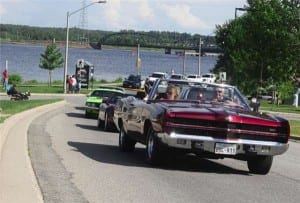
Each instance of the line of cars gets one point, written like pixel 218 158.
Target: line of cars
pixel 195 123
pixel 137 82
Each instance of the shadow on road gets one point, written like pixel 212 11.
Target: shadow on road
pixel 88 127
pixel 111 154
pixel 80 108
pixel 75 115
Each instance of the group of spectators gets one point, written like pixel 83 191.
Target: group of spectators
pixel 74 86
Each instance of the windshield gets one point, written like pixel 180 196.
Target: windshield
pixel 176 76
pixel 207 76
pixel 202 92
pixel 133 78
pixel 102 93
pixel 157 75
pixel 191 76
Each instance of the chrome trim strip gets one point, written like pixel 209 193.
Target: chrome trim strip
pixel 168 124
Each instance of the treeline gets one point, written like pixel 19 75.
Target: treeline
pixel 10 32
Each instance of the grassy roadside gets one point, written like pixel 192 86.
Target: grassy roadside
pixel 55 89
pixel 295 125
pixel 12 107
pixel 265 106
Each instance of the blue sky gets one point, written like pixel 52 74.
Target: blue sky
pixel 189 16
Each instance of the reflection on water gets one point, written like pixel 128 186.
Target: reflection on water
pixel 109 64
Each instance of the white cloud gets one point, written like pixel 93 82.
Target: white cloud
pixel 128 15
pixel 112 12
pixel 2 10
pixel 144 10
pixel 183 16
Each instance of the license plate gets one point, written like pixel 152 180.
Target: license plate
pixel 225 148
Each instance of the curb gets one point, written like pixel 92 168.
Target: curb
pixel 295 138
pixel 18 182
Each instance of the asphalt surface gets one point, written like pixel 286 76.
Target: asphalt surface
pixel 17 180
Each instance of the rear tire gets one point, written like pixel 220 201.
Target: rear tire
pixel 99 123
pixel 126 144
pixel 260 164
pixel 106 123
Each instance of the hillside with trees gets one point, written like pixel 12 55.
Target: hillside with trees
pixel 17 33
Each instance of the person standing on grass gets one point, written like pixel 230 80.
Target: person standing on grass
pixel 5 78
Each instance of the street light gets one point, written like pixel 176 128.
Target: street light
pixel 67 41
pixel 240 9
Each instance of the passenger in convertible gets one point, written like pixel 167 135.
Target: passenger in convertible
pixel 172 93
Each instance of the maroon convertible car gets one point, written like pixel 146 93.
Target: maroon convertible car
pixel 201 123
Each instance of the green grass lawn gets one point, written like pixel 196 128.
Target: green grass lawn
pixel 265 106
pixel 12 107
pixel 295 128
pixel 48 90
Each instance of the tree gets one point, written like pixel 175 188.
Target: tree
pixel 262 47
pixel 51 59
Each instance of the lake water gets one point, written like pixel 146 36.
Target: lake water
pixel 109 64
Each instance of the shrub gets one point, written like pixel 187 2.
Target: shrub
pixel 15 79
pixel 103 81
pixel 118 80
pixel 31 82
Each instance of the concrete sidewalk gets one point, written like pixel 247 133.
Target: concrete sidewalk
pixel 17 179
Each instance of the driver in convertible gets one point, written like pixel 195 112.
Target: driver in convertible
pixel 219 97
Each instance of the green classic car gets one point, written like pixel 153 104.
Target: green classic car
pixel 95 99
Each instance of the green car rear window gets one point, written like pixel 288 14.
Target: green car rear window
pixel 103 93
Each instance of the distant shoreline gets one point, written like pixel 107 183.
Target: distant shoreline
pixel 60 44
pixel 72 44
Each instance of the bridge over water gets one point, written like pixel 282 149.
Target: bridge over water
pixel 152 41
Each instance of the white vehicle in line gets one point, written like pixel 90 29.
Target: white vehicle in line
pixel 194 78
pixel 156 75
pixel 209 78
pixel 178 77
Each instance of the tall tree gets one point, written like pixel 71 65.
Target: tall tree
pixel 262 47
pixel 51 59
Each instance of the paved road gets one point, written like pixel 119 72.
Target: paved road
pixel 76 162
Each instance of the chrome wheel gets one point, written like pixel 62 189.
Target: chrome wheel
pixel 153 148
pixel 126 144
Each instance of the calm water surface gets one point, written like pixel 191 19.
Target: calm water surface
pixel 109 64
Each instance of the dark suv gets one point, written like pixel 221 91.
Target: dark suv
pixel 134 81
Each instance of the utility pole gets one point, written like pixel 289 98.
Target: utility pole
pixel 138 60
pixel 240 9
pixel 199 57
pixel 183 71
